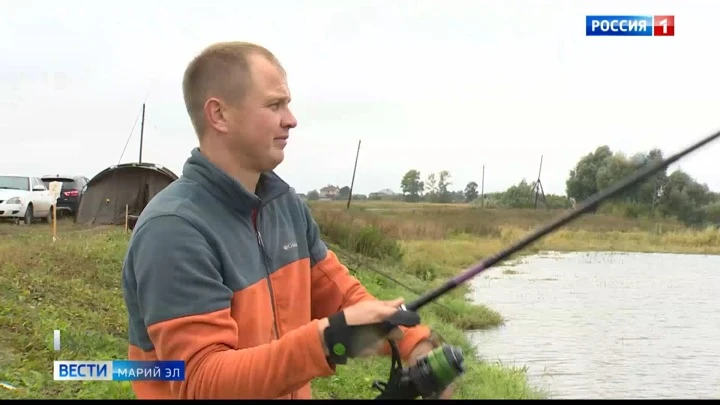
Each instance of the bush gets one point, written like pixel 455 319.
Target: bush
pixel 366 240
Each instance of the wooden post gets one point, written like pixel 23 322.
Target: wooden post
pixel 482 189
pixel 539 188
pixel 352 182
pixel 126 218
pixel 537 184
pixel 142 132
pixel 54 223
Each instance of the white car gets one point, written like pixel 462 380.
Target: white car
pixel 24 197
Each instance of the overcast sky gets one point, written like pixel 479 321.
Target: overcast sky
pixel 425 84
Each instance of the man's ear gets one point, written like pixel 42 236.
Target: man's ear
pixel 216 114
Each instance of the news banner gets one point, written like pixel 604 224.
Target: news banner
pixel 118 370
pixel 630 25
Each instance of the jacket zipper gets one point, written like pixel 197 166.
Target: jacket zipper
pixel 256 214
pixel 263 253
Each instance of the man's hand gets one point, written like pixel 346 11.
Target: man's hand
pixel 421 349
pixel 367 312
pixel 371 311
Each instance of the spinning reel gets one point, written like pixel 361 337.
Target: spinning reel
pixel 428 377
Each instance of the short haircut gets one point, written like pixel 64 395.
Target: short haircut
pixel 220 70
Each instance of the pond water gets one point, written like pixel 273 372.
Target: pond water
pixel 607 325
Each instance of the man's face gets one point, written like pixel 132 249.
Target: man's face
pixel 259 127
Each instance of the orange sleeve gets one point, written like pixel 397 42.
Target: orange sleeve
pixel 216 370
pixel 180 297
pixel 334 288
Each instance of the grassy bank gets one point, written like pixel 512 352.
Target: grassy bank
pixel 438 241
pixel 394 249
pixel 431 244
pixel 35 286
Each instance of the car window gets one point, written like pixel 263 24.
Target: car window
pixel 67 184
pixel 14 182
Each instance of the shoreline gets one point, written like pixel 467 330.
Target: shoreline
pixel 433 246
pixel 547 247
pixel 86 261
pixel 595 269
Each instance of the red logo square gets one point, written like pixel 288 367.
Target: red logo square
pixel 664 26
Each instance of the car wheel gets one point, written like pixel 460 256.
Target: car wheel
pixel 28 215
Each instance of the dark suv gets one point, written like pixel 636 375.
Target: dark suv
pixel 72 189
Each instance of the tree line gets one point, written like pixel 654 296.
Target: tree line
pixel 671 195
pixel 675 195
pixel 436 189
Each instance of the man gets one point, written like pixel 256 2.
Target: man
pixel 225 269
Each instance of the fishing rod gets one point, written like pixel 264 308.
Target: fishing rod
pixel 435 371
pixel 589 204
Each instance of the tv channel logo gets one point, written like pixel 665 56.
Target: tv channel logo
pixel 80 370
pixel 630 25
pixel 118 370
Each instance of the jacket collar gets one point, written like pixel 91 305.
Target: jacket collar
pixel 228 190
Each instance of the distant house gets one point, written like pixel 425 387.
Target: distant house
pixel 386 192
pixel 329 191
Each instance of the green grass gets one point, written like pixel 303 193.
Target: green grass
pixel 451 316
pixel 73 285
pixel 394 249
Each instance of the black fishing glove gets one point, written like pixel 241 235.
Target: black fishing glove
pixel 348 341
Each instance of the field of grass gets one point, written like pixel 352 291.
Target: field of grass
pixel 393 248
pixel 453 236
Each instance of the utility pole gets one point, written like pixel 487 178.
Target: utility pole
pixel 482 189
pixel 539 188
pixel 142 132
pixel 352 182
pixel 654 197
